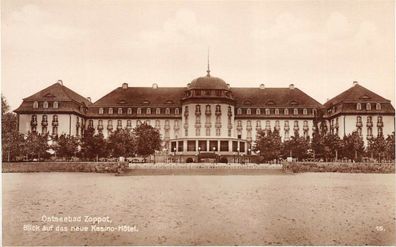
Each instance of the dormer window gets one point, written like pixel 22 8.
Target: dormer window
pixel 101 111
pixel 158 111
pixel 110 110
pixel 129 111
pixel 35 105
pixel 378 106
pixel 358 106
pixel 119 111
pixel 258 112
pixel 55 105
pixel 286 111
pixel 248 111
pixel 267 111
pixel 305 111
pixel 295 111
pixel 276 111
pixel 239 111
pixel 45 105
pixel 148 111
pixel 139 111
pixel 368 107
pixel 167 111
pixel 177 111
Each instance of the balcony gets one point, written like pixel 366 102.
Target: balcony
pixel 109 127
pixel 55 123
pixel 249 127
pixel 208 125
pixel 277 128
pixel 258 128
pixel 100 127
pixel 359 124
pixel 286 128
pixel 119 127
pixel 33 123
pixel 369 124
pixel 197 113
pixel 380 124
pixel 229 114
pixel 306 128
pixel 197 125
pixel 229 126
pixel 44 123
pixel 207 113
pixel 239 127
pixel 369 137
pixel 167 127
pixel 218 113
pixel 185 125
pixel 218 125
pixel 296 128
pixel 186 114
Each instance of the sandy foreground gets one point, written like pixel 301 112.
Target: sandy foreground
pixel 300 209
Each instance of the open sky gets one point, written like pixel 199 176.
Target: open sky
pixel 94 46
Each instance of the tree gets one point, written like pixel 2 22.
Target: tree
pixel 332 146
pixel 377 147
pixel 296 147
pixel 35 145
pixel 10 137
pixel 353 146
pixel 147 139
pixel 390 146
pixel 66 146
pixel 269 144
pixel 93 146
pixel 121 143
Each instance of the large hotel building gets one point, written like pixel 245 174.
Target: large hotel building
pixel 207 115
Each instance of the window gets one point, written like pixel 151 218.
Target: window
pixel 207 110
pixel 286 111
pixel 198 131
pixel 35 105
pixel 110 110
pixel 207 131
pixel 305 111
pixel 129 111
pixel 110 123
pixel 55 105
pixel 177 111
pixel 139 111
pixel 55 118
pixel 239 111
pixel 100 123
pixel 54 130
pixel 258 124
pixel 224 146
pixel 229 133
pixel 368 107
pixel 295 111
pixel 267 125
pixel 276 111
pixel 248 111
pixel 100 110
pixel 191 146
pixel 198 109
pixel 378 106
pixel 186 132
pixel 218 109
pixel 218 132
pixel 148 111
pixel 380 132
pixel 157 124
pixel 119 124
pixel 267 111
pixel 358 106
pixel 157 111
pixel 45 104
pixel 119 111
pixel 90 123
pixel 198 92
pixel 45 118
pixel 258 112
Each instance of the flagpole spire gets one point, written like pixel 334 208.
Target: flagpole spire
pixel 208 71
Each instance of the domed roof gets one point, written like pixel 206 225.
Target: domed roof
pixel 208 82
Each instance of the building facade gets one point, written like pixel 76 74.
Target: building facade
pixel 208 115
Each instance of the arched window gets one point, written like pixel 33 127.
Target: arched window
pixel 295 111
pixel 258 112
pixel 157 124
pixel 378 106
pixel 101 111
pixel 90 123
pixel 197 109
pixel 305 111
pixel 177 111
pixel 286 111
pixel 158 111
pixel 139 111
pixel 110 110
pixel 55 105
pixel 167 111
pixel 35 105
pixel 129 111
pixel 368 107
pixel 248 111
pixel 276 111
pixel 119 111
pixel 239 111
pixel 148 111
pixel 129 123
pixel 100 122
pixel 358 106
pixel 45 118
pixel 267 111
pixel 45 104
pixel 55 118
pixel 110 123
pixel 34 118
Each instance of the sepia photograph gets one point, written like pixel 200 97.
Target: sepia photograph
pixel 198 123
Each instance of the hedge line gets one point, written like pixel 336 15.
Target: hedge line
pixel 297 167
pixel 100 167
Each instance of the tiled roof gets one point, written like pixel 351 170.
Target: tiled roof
pixel 58 92
pixel 208 82
pixel 138 96
pixel 280 97
pixel 356 93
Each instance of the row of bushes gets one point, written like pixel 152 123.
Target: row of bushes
pixel 100 167
pixel 297 167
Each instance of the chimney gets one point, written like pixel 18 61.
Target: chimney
pixel 228 86
pixel 291 86
pixel 60 82
pixel 89 99
pixel 124 85
pixel 188 85
pixel 262 86
pixel 155 86
pixel 355 83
